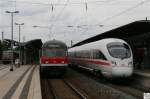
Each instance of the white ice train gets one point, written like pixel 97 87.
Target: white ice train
pixel 111 57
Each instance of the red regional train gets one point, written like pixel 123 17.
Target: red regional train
pixel 53 60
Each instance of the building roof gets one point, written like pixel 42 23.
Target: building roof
pixel 135 33
pixel 36 43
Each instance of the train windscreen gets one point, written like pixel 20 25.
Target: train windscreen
pixel 54 53
pixel 119 50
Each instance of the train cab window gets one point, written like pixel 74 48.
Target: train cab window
pixel 119 50
pixel 78 54
pixel 54 53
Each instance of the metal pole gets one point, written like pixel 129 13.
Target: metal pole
pixel 71 43
pixel 20 59
pixel 2 36
pixel 24 60
pixel 19 33
pixel 11 68
pixel 19 48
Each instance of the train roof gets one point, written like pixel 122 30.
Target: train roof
pixel 62 44
pixel 97 44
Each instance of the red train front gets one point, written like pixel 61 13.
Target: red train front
pixel 54 60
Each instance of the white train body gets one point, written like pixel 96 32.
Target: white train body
pixel 112 57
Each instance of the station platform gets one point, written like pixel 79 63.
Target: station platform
pixel 21 83
pixel 144 73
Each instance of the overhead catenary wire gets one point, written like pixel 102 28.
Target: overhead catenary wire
pixel 59 15
pixel 59 4
pixel 62 4
pixel 52 8
pixel 52 17
pixel 121 13
pixel 86 16
pixel 124 11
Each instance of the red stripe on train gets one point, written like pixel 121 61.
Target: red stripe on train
pixel 91 61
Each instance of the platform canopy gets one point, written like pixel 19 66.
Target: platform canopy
pixel 30 51
pixel 136 33
pixel 36 43
pixel 8 41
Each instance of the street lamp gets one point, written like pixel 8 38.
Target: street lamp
pixel 79 26
pixel 11 69
pixel 35 26
pixel 19 24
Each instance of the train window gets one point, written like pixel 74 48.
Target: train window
pixel 119 50
pixel 54 53
pixel 86 54
pixel 98 55
pixel 101 56
pixel 70 54
pixel 83 54
pixel 77 54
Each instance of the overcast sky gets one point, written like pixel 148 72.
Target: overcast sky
pixel 68 20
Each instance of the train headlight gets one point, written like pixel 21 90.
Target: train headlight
pixel 62 62
pixel 130 64
pixel 113 63
pixel 46 62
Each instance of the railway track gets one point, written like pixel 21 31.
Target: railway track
pixel 59 89
pixel 96 89
pixel 132 86
pixel 129 86
pixel 128 89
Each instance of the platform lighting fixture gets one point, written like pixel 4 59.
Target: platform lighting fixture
pixel 79 26
pixel 34 26
pixel 19 24
pixel 69 26
pixel 12 14
pixel 101 25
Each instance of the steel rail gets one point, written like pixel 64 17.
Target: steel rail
pixel 52 90
pixel 74 89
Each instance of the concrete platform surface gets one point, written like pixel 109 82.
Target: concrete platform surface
pixel 22 83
